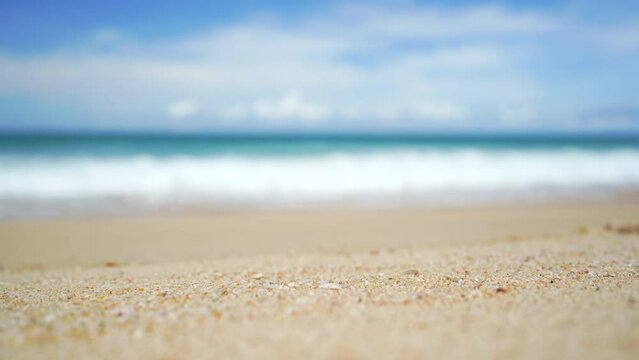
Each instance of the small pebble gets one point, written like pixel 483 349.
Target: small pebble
pixel 329 285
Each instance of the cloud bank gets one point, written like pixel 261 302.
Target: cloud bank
pixel 354 66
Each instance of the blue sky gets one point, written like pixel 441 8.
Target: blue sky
pixel 326 65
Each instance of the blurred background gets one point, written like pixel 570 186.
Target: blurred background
pixel 124 107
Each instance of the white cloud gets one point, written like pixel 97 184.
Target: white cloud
pixel 182 109
pixel 359 63
pixel 412 21
pixel 291 107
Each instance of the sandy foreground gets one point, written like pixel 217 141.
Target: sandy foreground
pixel 533 281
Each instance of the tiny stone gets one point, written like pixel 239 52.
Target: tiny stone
pixel 216 314
pixel 329 285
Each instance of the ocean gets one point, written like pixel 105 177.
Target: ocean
pixel 95 174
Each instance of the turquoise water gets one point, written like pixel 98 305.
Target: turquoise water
pixel 169 145
pixel 43 175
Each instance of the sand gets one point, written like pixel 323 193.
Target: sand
pixel 528 281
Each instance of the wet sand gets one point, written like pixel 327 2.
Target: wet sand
pixel 533 281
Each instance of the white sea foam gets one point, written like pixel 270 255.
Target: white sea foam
pixel 415 175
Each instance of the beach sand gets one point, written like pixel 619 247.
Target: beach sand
pixel 527 281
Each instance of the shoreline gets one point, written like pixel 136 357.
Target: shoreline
pixel 148 239
pixel 114 209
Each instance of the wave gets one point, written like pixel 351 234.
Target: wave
pixel 384 175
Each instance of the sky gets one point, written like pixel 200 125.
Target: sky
pixel 319 66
